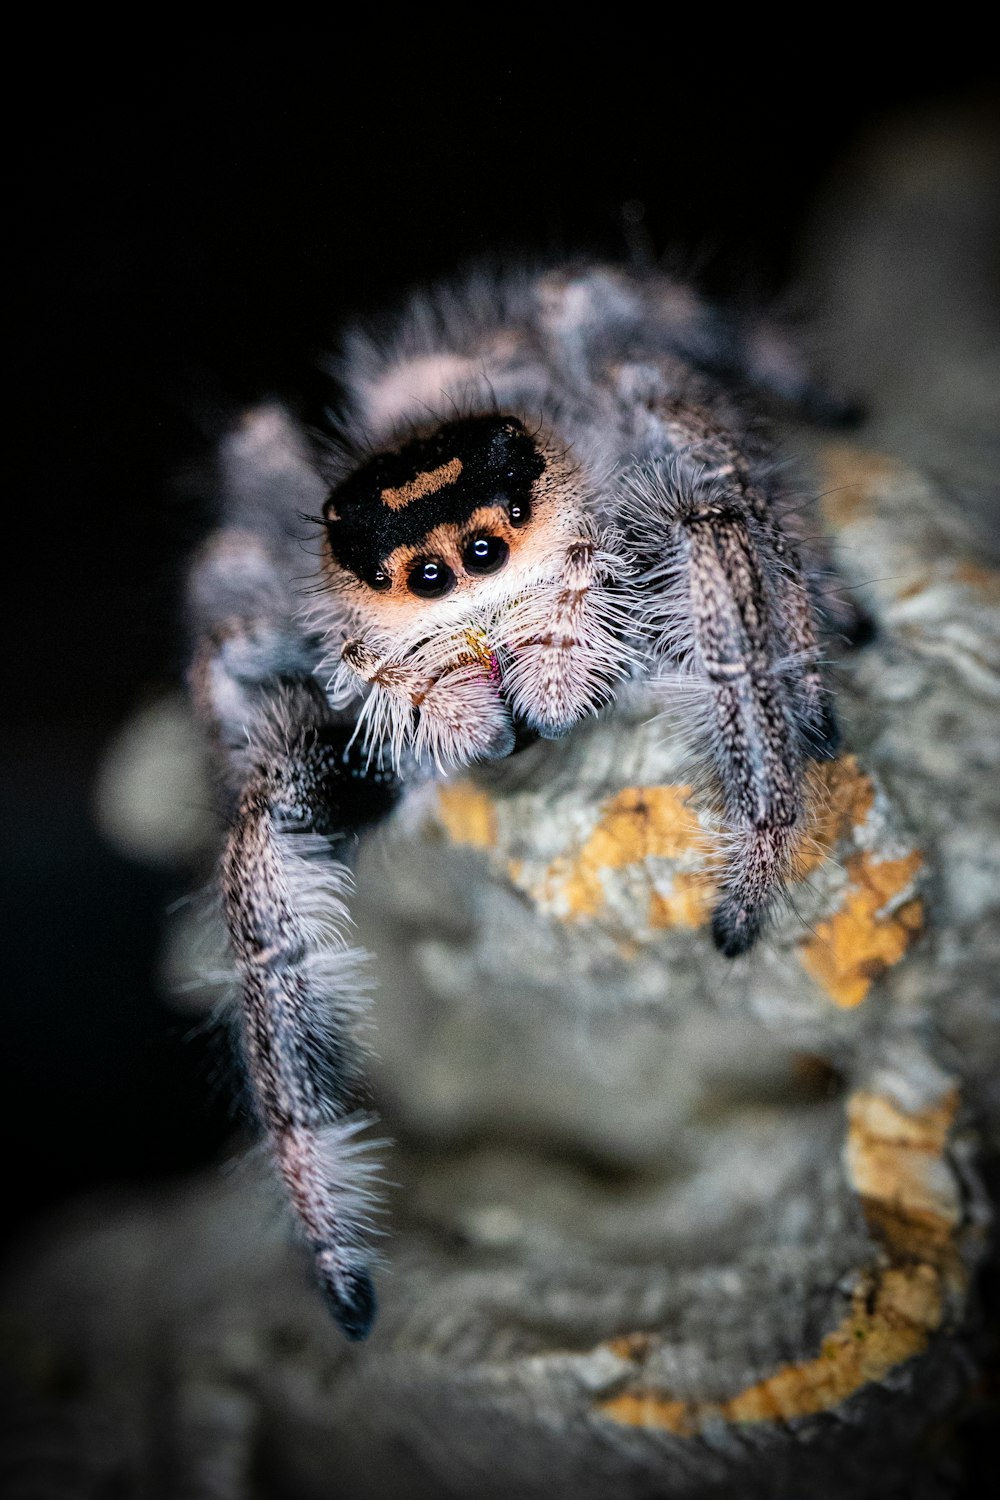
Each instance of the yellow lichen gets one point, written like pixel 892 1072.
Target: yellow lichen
pixel 890 1318
pixel 895 1161
pixel 637 824
pixel 850 949
pixel 468 815
pixel 839 797
pixel 688 903
pixel 861 940
pixel 909 1196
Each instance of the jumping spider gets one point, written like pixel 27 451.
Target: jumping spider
pixel 545 491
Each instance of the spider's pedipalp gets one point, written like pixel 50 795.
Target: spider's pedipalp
pixel 441 702
pixel 569 639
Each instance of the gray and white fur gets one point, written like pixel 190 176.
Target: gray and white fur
pixel 545 489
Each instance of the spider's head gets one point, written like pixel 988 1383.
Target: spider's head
pixel 460 509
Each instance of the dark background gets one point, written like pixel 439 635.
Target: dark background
pixel 196 223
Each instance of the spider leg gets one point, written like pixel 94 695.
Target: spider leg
pixel 712 460
pixel 735 607
pixel 768 358
pixel 755 740
pixel 304 796
pixel 245 642
pixel 285 910
pixel 657 314
pixel 798 613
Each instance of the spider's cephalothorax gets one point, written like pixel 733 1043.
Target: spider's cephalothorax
pixel 558 494
pixel 474 579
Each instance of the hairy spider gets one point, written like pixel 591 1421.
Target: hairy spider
pixel 545 488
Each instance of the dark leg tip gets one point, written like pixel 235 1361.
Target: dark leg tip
pixel 350 1296
pixel 734 928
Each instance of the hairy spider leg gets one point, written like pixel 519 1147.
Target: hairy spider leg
pixel 744 626
pixel 302 795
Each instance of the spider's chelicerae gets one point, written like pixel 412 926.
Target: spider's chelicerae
pixel 545 489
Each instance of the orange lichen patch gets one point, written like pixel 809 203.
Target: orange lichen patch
pixel 892 1313
pixel 468 815
pixel 897 1164
pixel 895 1161
pixel 860 941
pixel 634 1346
pixel 426 483
pixel 642 822
pixel 983 581
pixel 644 1409
pixel 688 904
pixel 840 797
pixel 849 475
pixel 580 888
pixel 638 823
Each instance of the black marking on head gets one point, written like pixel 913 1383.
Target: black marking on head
pixel 498 463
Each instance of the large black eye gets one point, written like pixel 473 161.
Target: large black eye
pixel 379 580
pixel 485 554
pixel 431 579
pixel 519 512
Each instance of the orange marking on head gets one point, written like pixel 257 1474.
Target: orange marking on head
pixel 427 483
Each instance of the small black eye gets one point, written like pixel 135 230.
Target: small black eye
pixel 431 579
pixel 519 512
pixel 379 580
pixel 485 554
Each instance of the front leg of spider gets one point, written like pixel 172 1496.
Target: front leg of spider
pixel 757 750
pixel 740 615
pixel 285 882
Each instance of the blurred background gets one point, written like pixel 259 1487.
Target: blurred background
pixel 197 222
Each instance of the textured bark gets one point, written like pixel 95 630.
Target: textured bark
pixel 665 1224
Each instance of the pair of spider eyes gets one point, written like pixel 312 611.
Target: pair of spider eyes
pixel 431 578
